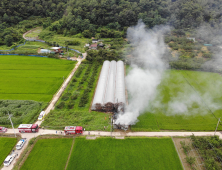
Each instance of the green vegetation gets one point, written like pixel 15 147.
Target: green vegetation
pixel 6 146
pixel 199 92
pixel 210 150
pixel 48 154
pixel 130 153
pixel 23 111
pixel 34 33
pixel 73 106
pixel 31 78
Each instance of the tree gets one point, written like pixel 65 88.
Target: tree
pixel 8 40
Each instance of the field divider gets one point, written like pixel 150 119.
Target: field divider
pixel 60 91
pixel 177 152
pixel 73 141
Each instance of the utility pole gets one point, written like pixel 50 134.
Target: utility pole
pixel 217 126
pixel 11 122
pixel 111 125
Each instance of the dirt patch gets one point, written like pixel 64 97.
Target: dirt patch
pixel 198 163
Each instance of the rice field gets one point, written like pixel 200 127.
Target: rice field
pixel 6 146
pixel 31 78
pixel 48 154
pixel 129 153
pixel 185 100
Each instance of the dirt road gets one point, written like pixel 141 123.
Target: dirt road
pixel 59 93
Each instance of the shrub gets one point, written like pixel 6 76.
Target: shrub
pixel 71 105
pixel 60 105
pixel 66 96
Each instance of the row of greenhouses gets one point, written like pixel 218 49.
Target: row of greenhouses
pixel 110 91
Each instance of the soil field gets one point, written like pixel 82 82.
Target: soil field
pixel 185 100
pixel 129 153
pixel 48 154
pixel 6 146
pixel 31 78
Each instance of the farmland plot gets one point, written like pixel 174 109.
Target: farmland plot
pixel 48 154
pixel 6 145
pixel 31 78
pixel 200 93
pixel 130 153
pixel 73 106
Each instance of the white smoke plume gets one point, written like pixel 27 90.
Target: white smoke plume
pixel 147 65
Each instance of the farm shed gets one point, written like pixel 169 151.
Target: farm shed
pixel 101 87
pixel 110 91
pixel 120 98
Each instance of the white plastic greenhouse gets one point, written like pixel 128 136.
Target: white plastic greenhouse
pixel 120 98
pixel 101 87
pixel 110 91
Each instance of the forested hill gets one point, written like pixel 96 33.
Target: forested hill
pixel 109 18
pixel 14 11
pixel 116 14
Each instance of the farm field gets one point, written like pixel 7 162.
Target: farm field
pixel 186 100
pixel 6 146
pixel 73 106
pixel 130 153
pixel 31 78
pixel 48 154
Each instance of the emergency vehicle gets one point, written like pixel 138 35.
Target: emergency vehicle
pixel 9 159
pixel 21 143
pixel 73 130
pixel 28 128
pixel 3 129
pixel 41 115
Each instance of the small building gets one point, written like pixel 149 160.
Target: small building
pixel 45 51
pixel 93 46
pixel 57 49
pixel 95 41
pixel 87 45
pixel 101 45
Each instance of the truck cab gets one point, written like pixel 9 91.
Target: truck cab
pixel 21 143
pixel 9 159
pixel 3 129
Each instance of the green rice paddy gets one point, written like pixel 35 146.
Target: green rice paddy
pixel 200 92
pixel 48 154
pixel 6 146
pixel 31 78
pixel 129 153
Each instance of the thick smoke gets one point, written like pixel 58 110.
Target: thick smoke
pixel 148 65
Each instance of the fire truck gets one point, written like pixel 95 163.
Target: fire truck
pixel 73 130
pixel 30 128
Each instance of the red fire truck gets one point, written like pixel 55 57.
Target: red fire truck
pixel 73 130
pixel 30 128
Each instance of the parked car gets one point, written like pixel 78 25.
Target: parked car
pixel 8 160
pixel 3 129
pixel 21 143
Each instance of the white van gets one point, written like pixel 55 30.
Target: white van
pixel 9 159
pixel 41 115
pixel 21 143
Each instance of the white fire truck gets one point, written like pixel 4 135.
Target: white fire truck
pixel 73 130
pixel 30 128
